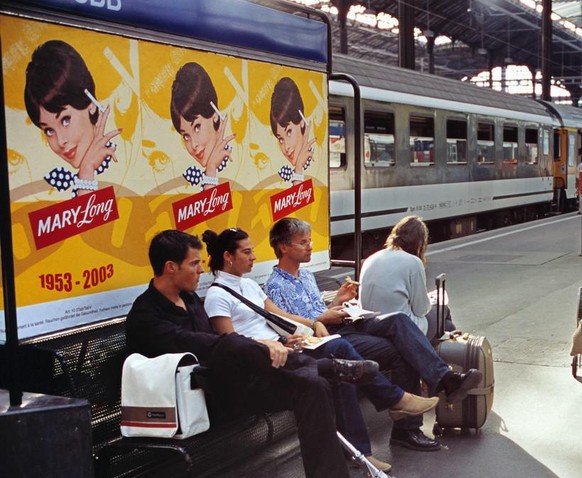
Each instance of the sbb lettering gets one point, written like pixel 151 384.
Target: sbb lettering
pixel 114 5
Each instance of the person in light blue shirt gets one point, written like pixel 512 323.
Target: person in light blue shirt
pixel 403 260
pixel 395 342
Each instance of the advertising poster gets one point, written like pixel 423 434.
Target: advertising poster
pixel 112 139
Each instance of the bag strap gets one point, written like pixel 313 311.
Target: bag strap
pixel 259 310
pixel 271 318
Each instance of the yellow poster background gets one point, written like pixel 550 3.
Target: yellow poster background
pixel 134 78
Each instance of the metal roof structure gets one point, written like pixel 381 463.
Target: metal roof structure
pixel 484 34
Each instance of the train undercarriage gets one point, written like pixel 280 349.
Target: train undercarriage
pixel 342 246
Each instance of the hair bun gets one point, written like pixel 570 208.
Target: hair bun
pixel 209 238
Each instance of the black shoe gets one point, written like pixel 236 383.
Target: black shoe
pixel 413 439
pixel 456 385
pixel 358 372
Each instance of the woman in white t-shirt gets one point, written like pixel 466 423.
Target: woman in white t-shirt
pixel 394 280
pixel 228 313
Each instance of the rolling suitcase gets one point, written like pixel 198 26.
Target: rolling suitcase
pixel 463 351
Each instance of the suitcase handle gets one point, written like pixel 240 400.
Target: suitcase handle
pixel 440 279
pixel 440 305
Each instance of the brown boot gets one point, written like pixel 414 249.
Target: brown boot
pixel 410 405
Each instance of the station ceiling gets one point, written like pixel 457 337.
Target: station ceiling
pixel 484 34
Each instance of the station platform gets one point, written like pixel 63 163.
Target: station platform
pixel 519 287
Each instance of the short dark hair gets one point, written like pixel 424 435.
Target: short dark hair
pixel 192 95
pixel 57 76
pixel 283 230
pixel 286 105
pixel 171 245
pixel 218 244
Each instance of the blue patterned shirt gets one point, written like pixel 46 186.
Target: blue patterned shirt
pixel 295 295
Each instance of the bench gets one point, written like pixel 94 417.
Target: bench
pixel 86 363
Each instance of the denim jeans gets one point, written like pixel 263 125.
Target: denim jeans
pixel 381 392
pixel 349 418
pixel 397 344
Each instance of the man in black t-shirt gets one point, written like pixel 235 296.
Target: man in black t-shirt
pixel 245 375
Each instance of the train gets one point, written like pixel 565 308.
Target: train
pixel 464 158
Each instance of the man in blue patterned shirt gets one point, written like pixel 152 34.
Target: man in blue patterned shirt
pixel 393 341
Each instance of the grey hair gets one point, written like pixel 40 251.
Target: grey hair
pixel 283 230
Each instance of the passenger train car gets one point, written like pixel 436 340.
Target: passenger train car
pixel 464 158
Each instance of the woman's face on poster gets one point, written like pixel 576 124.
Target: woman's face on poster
pixel 199 137
pixel 69 133
pixel 290 140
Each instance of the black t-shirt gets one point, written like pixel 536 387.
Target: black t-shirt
pixel 155 326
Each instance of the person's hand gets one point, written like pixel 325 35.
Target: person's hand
pixel 333 315
pixel 277 352
pixel 346 292
pixel 220 151
pixel 305 153
pixel 320 329
pixel 295 343
pixel 100 148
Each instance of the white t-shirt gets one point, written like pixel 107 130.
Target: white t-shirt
pixel 221 303
pixel 395 281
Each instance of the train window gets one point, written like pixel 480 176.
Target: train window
pixel 379 139
pixel 421 140
pixel 531 145
pixel 337 137
pixel 456 141
pixel 485 142
pixel 510 144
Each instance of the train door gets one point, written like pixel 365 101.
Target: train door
pixel 567 144
pixel 572 160
pixel 577 168
pixel 560 170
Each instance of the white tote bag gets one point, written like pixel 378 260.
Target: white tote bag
pixel 157 399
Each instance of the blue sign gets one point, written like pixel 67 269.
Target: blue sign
pixel 229 22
